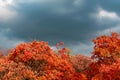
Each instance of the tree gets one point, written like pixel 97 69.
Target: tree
pixel 106 57
pixel 80 62
pixel 37 61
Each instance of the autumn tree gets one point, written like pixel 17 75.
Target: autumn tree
pixel 37 61
pixel 106 57
pixel 80 62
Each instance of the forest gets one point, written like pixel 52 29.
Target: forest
pixel 36 60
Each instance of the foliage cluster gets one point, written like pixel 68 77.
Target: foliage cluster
pixel 38 61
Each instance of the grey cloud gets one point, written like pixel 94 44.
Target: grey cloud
pixel 42 22
pixel 62 20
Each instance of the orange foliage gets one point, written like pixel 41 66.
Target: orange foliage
pixel 80 62
pixel 38 61
pixel 106 56
pixel 107 48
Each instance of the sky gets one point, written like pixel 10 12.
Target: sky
pixel 74 22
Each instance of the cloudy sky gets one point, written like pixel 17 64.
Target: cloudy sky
pixel 74 22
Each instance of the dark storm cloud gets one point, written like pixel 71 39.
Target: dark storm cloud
pixel 71 21
pixel 63 21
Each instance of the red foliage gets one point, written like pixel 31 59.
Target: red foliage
pixel 80 62
pixel 106 56
pixel 37 61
